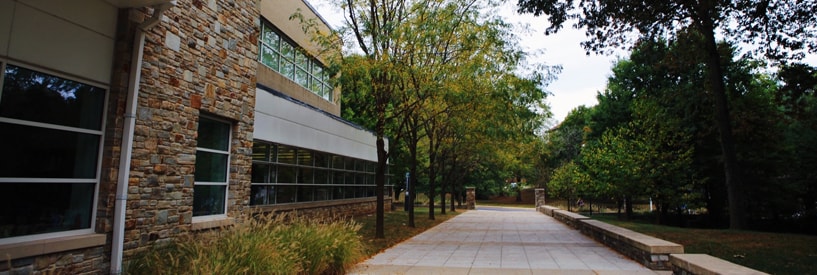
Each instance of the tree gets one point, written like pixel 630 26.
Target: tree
pixel 785 29
pixel 374 27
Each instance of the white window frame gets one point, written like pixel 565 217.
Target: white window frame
pixel 95 180
pixel 226 182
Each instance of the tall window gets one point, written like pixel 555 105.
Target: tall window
pixel 212 168
pixel 285 57
pixel 286 174
pixel 50 140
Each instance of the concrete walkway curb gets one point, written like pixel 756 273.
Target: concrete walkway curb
pixel 500 240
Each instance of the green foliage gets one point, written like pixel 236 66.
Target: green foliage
pixel 265 246
pixel 650 137
pixel 440 79
pixel 784 30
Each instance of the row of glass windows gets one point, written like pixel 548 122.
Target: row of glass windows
pixel 49 152
pixel 288 59
pixel 292 193
pixel 285 174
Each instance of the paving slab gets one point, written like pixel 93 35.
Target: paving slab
pixel 500 240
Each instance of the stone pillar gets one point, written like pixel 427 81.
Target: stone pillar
pixel 470 198
pixel 540 197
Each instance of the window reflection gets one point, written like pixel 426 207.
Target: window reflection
pixel 35 96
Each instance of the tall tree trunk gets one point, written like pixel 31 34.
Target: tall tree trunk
pixel 432 174
pixel 628 206
pixel 453 195
pixel 412 174
pixel 734 184
pixel 518 188
pixel 380 179
pixel 442 197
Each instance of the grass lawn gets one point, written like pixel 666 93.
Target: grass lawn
pixel 774 253
pixel 396 227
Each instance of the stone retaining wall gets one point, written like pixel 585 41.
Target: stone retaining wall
pixel 646 250
pixel 569 218
pixel 654 253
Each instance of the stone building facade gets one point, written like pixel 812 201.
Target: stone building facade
pixel 124 123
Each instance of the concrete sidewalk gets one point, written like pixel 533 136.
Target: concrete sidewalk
pixel 498 240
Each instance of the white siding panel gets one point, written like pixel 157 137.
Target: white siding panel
pixel 96 15
pixel 52 42
pixel 281 121
pixel 6 12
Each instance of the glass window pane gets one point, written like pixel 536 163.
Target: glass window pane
pixel 259 195
pixel 287 69
pixel 338 192
pixel 317 70
pixel 40 97
pixel 305 157
pixel 337 178
pixel 286 174
pixel 260 173
pixel 350 178
pixel 360 178
pixel 211 167
pixel 285 194
pixel 306 193
pixel 321 159
pixel 287 51
pixel 323 193
pixel 321 176
pixel 213 134
pixel 301 61
pixel 36 208
pixel 350 164
pixel 305 175
pixel 260 151
pixel 270 37
pixel 329 92
pixel 270 57
pixel 209 199
pixel 315 86
pixel 337 162
pixel 33 152
pixel 286 154
pixel 302 78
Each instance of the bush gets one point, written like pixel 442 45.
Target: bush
pixel 262 246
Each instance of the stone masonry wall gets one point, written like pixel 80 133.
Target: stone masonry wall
pixel 200 59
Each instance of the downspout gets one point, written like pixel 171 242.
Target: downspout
pixel 126 152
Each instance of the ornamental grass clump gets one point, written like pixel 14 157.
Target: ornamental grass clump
pixel 264 245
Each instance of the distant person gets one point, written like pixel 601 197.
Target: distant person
pixel 580 203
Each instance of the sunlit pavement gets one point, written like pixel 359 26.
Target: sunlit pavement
pixel 500 240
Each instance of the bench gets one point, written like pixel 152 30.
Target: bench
pixel 651 252
pixel 703 264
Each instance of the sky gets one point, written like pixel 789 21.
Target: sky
pixel 583 76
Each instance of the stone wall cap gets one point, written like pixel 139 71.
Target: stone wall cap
pixel 642 241
pixel 570 214
pixel 705 264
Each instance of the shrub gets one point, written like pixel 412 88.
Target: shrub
pixel 261 246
